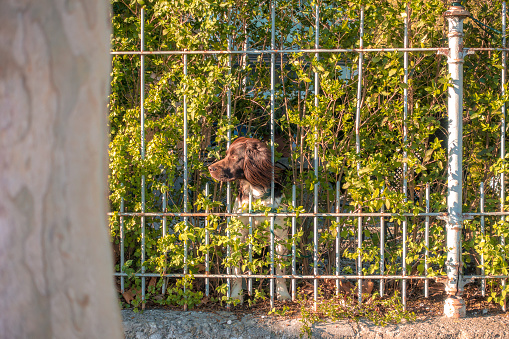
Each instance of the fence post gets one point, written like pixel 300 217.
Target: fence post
pixel 454 306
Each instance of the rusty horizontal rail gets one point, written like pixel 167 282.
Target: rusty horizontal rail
pixel 319 50
pixel 279 51
pixel 306 214
pixel 307 277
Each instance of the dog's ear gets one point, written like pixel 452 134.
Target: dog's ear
pixel 257 164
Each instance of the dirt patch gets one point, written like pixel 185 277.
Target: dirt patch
pixel 433 306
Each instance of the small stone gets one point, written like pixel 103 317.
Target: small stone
pixel 229 322
pixel 485 311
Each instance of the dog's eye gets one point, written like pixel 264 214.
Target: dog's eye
pixel 233 157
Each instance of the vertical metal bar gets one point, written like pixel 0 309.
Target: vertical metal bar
pixel 405 159
pixel 294 221
pixel 185 171
pixel 207 243
pixel 454 305
pixel 338 235
pixel 122 238
pixel 185 166
pixel 382 247
pixel 228 210
pixel 426 236
pixel 250 207
pixel 272 108
pixel 163 289
pixel 245 58
pixel 316 186
pixel 358 148
pixel 502 127
pixel 228 184
pixel 142 137
pixel 164 217
pixel 483 231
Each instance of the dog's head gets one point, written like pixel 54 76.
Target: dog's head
pixel 246 159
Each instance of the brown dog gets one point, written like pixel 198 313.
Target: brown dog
pixel 248 161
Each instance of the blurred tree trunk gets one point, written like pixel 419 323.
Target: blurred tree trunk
pixel 55 262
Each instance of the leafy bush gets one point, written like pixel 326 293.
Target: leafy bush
pixel 300 125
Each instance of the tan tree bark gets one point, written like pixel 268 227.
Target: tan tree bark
pixel 55 263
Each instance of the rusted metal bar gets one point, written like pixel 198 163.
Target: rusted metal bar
pixel 486 214
pixel 487 49
pixel 309 277
pixel 291 51
pixel 293 214
pixel 439 215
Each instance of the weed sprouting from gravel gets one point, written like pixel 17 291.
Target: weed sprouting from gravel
pixel 379 310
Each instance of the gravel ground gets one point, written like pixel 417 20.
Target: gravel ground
pixel 165 324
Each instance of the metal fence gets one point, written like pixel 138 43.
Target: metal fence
pixel 453 216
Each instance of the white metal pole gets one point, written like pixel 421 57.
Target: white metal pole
pixel 455 305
